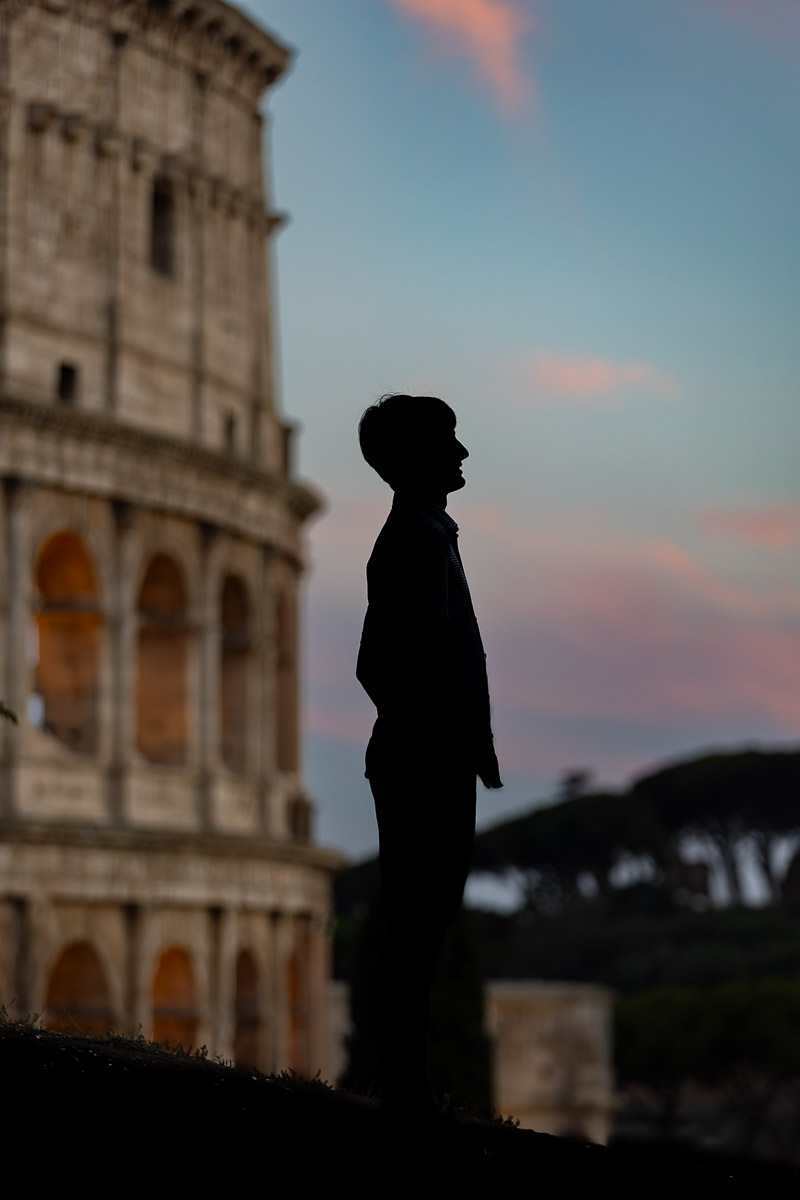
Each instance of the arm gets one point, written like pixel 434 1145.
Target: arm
pixel 407 661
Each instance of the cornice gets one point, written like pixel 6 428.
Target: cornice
pixel 217 28
pixel 144 445
pixel 166 842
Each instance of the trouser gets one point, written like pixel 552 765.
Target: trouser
pixel 426 829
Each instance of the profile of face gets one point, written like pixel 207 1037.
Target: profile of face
pixel 438 459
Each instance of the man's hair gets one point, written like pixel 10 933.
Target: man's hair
pixel 392 431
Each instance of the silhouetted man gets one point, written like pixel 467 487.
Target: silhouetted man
pixel 421 661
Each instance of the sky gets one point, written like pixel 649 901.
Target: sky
pixel 577 222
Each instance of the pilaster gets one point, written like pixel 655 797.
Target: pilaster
pixel 222 980
pixel 123 641
pixel 280 1026
pixel 318 973
pixel 263 729
pixel 136 998
pixel 208 650
pixel 18 496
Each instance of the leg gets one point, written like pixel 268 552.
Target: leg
pixel 426 834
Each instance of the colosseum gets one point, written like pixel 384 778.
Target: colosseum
pixel 157 870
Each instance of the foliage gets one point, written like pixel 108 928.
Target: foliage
pixel 706 994
pixel 726 797
pixel 741 1038
pixel 719 798
pixel 634 950
pixel 552 847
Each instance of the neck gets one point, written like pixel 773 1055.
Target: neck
pixel 437 498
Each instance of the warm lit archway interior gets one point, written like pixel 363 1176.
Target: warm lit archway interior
pixel 175 1015
pixel 77 998
pixel 235 654
pixel 162 693
pixel 247 1050
pixel 66 643
pixel 298 1002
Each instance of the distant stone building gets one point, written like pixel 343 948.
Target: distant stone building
pixel 551 1053
pixel 156 864
pixel 552 1063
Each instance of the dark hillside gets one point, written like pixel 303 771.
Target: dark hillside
pixel 115 1115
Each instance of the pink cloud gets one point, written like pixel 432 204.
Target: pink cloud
pixel 587 379
pixel 613 661
pixel 606 647
pixel 775 527
pixel 486 31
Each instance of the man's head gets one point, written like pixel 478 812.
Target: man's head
pixel 411 442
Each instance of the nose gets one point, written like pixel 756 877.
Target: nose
pixel 462 450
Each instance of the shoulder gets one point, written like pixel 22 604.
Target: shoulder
pixel 410 535
pixel 409 562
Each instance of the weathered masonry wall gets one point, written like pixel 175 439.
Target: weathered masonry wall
pixel 157 869
pixel 136 213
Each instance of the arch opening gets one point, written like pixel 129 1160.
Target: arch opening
pixel 162 692
pixel 288 741
pixel 235 659
pixel 247 1047
pixel 65 644
pixel 175 1015
pixel 77 999
pixel 297 968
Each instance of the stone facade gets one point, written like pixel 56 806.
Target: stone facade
pixel 551 1056
pixel 156 865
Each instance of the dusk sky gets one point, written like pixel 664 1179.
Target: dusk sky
pixel 579 223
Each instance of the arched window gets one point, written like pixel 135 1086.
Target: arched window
pixel 77 998
pixel 247 1034
pixel 162 696
pixel 66 643
pixel 287 682
pixel 162 227
pixel 175 1016
pixel 235 653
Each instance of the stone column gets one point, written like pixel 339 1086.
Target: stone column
pixel 267 1061
pixel 281 946
pixel 116 166
pixel 16 684
pixel 266 697
pixel 38 946
pixel 137 999
pixel 297 998
pixel 23 982
pixel 197 208
pixel 5 224
pixel 288 714
pixel 318 973
pixel 123 641
pixel 208 650
pixel 222 981
pixel 259 317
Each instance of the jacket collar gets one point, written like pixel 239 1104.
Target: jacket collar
pixel 420 503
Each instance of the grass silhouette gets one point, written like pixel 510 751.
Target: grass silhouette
pixel 116 1111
